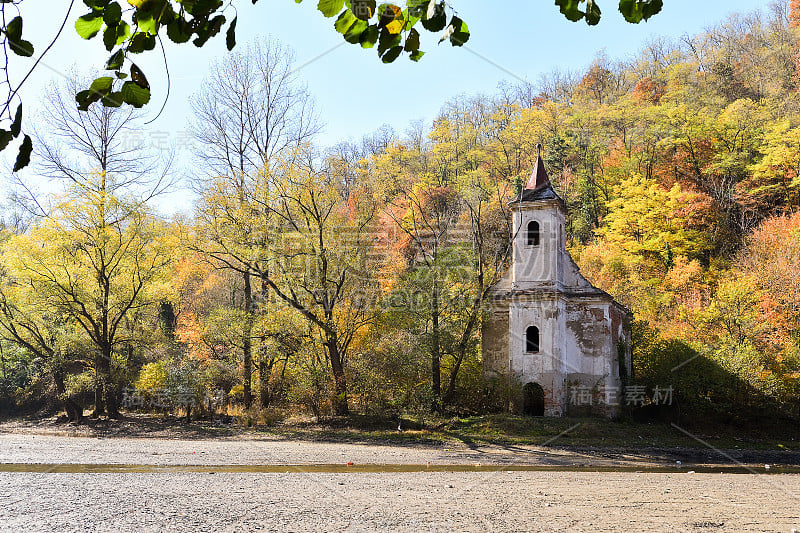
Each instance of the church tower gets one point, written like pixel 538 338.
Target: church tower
pixel 550 330
pixel 538 228
pixel 535 325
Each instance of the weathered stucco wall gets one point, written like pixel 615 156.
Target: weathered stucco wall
pixel 495 342
pixel 580 327
pixel 588 337
pixel 545 311
pixel 543 264
pixel 592 356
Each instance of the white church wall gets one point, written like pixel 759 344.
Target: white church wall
pixel 544 367
pixel 578 325
pixel 535 265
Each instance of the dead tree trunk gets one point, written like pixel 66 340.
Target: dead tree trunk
pixel 247 348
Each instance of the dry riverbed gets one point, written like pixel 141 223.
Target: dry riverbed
pixel 515 501
pixel 361 501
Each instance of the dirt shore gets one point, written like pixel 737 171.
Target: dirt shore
pixel 426 501
pixel 554 501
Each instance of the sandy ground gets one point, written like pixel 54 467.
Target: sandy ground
pixel 29 448
pixel 428 501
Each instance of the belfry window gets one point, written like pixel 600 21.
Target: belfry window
pixel 532 236
pixel 532 340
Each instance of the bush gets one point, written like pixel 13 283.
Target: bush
pixel 702 388
pixel 80 388
pixel 171 384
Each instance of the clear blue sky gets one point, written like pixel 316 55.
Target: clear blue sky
pixel 354 91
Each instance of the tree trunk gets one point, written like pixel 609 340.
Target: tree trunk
pixel 100 378
pixel 339 400
pixel 73 410
pixel 436 377
pixel 264 369
pixel 106 387
pixel 264 374
pixel 99 405
pixel 112 406
pixel 450 394
pixel 6 395
pixel 247 348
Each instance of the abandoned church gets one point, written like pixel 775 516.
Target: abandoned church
pixel 549 329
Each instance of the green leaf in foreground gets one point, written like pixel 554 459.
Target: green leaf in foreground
pixel 24 155
pixel 369 36
pixel 434 18
pixel 230 36
pixel 16 126
pixel 460 32
pixel 101 85
pixel 113 99
pixel 345 21
pixel 22 48
pixel 569 8
pixel 592 13
pixel 179 30
pixel 116 35
pixel 134 95
pixel 638 10
pixel 392 54
pixel 116 60
pixel 5 138
pixel 330 8
pixel 14 29
pixel 87 98
pixel 88 25
pixel 412 41
pixel 112 14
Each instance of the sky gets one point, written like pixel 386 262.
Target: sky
pixel 511 40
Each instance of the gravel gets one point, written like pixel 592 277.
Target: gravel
pixel 27 448
pixel 426 501
pixel 518 501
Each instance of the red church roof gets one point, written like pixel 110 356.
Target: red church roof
pixel 538 186
pixel 538 177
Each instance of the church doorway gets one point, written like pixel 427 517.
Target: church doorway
pixel 533 400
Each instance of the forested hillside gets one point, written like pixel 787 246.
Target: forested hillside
pixel 355 277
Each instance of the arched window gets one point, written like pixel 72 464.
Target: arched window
pixel 532 238
pixel 532 339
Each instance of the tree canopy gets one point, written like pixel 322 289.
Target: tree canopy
pixel 356 277
pixel 126 31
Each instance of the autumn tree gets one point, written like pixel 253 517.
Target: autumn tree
pixel 94 261
pixel 250 109
pixel 30 324
pixel 775 180
pixel 308 246
pixel 447 197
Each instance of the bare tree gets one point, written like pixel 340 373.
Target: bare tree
pixel 378 141
pixel 72 144
pixel 249 110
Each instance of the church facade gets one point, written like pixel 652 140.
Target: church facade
pixel 564 341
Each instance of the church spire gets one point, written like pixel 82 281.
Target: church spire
pixel 538 186
pixel 538 177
